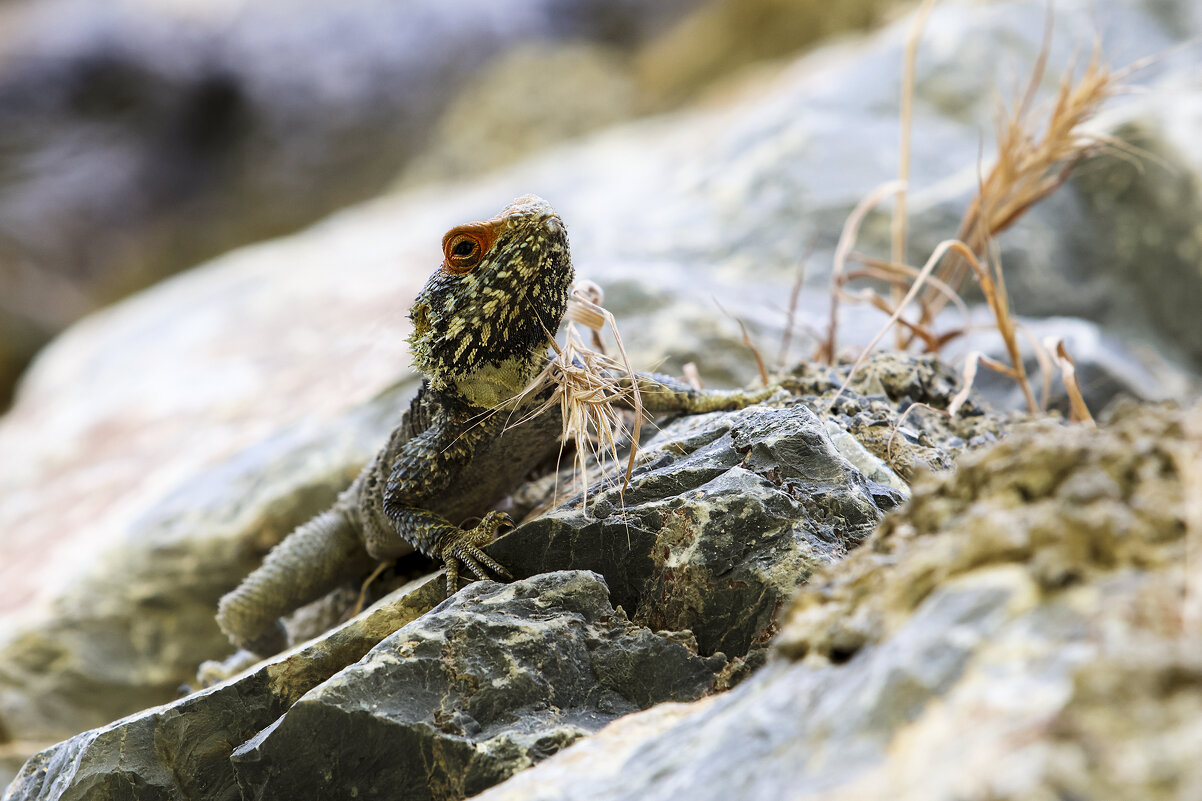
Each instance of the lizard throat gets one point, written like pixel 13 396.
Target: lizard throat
pixel 494 384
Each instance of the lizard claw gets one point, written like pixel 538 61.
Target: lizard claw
pixel 462 548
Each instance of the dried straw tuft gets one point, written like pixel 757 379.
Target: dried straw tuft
pixel 588 388
pixel 1033 161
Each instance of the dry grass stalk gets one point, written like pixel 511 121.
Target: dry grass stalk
pixel 1030 167
pixel 900 216
pixel 847 240
pixel 361 601
pixel 901 276
pixel 786 338
pixel 969 375
pixel 759 360
pixel 940 250
pixel 993 285
pixel 1078 411
pixel 1045 366
pixel 902 418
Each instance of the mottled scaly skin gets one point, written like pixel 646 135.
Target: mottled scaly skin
pixel 480 331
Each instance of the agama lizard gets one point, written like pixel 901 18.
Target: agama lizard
pixel 480 335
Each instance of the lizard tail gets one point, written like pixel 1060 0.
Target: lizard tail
pixel 308 563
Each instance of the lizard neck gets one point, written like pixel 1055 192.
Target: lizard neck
pixel 495 384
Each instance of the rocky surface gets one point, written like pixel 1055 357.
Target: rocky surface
pixel 182 749
pixel 494 680
pixel 725 515
pixel 1027 628
pixel 489 682
pixel 158 448
pixel 895 407
pixel 728 512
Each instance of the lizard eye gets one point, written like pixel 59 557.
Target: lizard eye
pixel 462 251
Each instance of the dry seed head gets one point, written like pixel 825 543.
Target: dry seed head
pixel 587 387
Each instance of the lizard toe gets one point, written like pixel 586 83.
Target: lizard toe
pixel 452 564
pixel 481 563
pixel 463 550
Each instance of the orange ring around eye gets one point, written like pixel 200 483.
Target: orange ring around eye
pixel 465 246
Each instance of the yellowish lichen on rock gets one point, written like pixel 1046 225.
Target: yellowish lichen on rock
pixel 1063 502
pixel 1092 687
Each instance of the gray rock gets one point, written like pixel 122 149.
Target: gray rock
pixel 1016 632
pixel 893 409
pixel 492 681
pixel 182 749
pixel 726 514
pixel 443 702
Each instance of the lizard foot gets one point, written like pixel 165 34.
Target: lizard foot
pixel 462 547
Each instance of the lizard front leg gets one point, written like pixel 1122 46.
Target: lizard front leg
pixel 456 547
pixel 424 468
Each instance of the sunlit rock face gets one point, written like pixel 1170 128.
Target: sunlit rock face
pixel 137 139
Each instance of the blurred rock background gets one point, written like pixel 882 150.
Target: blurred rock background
pixel 138 138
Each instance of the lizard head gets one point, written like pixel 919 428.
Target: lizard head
pixel 481 324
